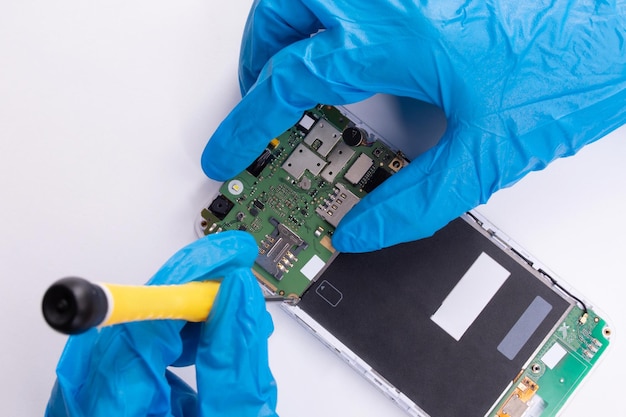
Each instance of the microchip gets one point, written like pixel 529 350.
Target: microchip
pixel 376 179
pixel 258 204
pixel 359 169
pixel 256 207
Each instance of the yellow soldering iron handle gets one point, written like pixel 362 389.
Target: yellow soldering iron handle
pixel 73 305
pixel 191 302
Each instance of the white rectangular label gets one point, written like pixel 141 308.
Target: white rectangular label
pixel 306 122
pixel 554 355
pixel 470 296
pixel 311 268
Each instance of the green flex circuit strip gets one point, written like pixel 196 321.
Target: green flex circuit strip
pixel 294 194
pixel 544 386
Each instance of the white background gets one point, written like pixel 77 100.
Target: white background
pixel 105 108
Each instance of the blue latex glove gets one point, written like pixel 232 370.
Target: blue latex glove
pixel 122 371
pixel 521 84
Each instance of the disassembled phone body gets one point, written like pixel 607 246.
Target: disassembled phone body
pixel 462 323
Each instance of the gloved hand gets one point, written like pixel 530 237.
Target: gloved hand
pixel 521 83
pixel 122 371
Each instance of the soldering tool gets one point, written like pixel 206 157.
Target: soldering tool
pixel 73 305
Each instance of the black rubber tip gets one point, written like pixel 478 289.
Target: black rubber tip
pixel 74 305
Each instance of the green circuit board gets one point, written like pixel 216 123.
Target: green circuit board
pixel 292 197
pixel 294 194
pixel 543 387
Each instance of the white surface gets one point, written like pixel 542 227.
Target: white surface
pixel 104 110
pixel 311 268
pixel 470 296
pixel 554 355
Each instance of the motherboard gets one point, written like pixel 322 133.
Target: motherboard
pixel 293 196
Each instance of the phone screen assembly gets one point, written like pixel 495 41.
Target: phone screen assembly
pixel 461 323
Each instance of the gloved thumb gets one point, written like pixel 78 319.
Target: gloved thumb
pixel 461 172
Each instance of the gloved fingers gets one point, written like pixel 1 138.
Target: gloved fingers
pixel 318 70
pixel 271 26
pixel 232 367
pixel 70 376
pixel 124 364
pixel 189 334
pixel 291 83
pixel 211 257
pixel 184 400
pixel 421 198
pixel 462 171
